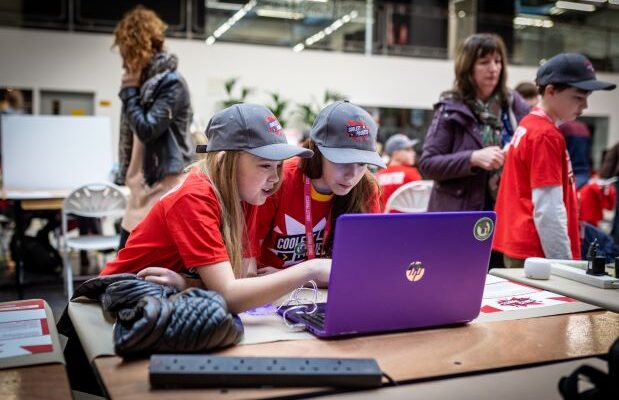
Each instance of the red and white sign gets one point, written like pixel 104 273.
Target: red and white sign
pixel 24 329
pixel 503 295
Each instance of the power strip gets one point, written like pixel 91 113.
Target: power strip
pixel 576 274
pixel 167 371
pixel 580 264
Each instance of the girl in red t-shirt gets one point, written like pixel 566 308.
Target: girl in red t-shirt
pixel 295 224
pixel 204 224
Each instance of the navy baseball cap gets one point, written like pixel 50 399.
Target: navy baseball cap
pixel 571 69
pixel 252 128
pixel 345 134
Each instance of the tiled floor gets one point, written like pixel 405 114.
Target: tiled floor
pixel 38 286
pixel 49 286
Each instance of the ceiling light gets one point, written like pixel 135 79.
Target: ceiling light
pixel 337 24
pixel 230 22
pixel 556 11
pixel 531 21
pixel 569 5
pixel 269 12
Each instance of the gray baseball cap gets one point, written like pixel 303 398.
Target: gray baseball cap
pixel 252 128
pixel 399 142
pixel 345 133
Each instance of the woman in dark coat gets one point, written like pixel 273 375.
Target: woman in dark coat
pixel 155 143
pixel 463 149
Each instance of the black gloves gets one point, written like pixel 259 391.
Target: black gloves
pixel 194 320
pixel 152 318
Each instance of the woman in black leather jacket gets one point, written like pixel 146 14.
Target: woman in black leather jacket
pixel 155 143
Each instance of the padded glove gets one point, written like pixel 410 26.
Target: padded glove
pixel 192 321
pixel 127 293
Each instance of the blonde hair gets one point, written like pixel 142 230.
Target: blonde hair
pixel 139 36
pixel 355 202
pixel 222 169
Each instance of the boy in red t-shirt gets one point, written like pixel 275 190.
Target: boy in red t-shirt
pixel 400 169
pixel 537 208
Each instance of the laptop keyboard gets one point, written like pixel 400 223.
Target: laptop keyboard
pixel 316 319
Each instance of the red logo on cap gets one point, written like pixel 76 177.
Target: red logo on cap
pixel 357 130
pixel 589 66
pixel 273 125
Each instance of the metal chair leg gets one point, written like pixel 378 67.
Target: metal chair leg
pixel 67 273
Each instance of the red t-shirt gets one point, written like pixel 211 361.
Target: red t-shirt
pixel 281 220
pixel 392 177
pixel 537 157
pixel 593 200
pixel 180 232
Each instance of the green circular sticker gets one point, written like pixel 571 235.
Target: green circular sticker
pixel 483 229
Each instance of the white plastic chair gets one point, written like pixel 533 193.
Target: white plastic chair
pixel 410 197
pixel 96 200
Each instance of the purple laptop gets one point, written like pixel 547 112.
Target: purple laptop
pixel 403 271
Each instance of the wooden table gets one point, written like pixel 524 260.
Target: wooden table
pixel 45 382
pixel 406 357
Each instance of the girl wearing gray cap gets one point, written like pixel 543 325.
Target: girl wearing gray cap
pixel 296 221
pixel 207 223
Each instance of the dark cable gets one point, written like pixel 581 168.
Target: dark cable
pixel 392 382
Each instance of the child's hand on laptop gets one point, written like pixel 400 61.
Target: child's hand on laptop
pixel 322 268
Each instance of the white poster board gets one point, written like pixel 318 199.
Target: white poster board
pixel 55 152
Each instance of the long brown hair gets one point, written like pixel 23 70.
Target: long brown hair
pixel 474 47
pixel 139 36
pixel 355 202
pixel 222 169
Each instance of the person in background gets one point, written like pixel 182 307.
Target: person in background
pixel 155 143
pixel 463 152
pixel 537 208
pixel 529 93
pixel 206 224
pixel 594 197
pixel 608 170
pixel 578 141
pixel 11 101
pixel 401 168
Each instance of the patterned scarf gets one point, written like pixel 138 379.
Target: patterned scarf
pixel 160 65
pixel 489 116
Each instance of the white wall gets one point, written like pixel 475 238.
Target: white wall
pixel 85 62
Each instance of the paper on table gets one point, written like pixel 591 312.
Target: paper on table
pixel 503 299
pixel 24 329
pixel 263 324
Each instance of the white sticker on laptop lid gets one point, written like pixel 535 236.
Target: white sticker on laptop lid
pixel 483 229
